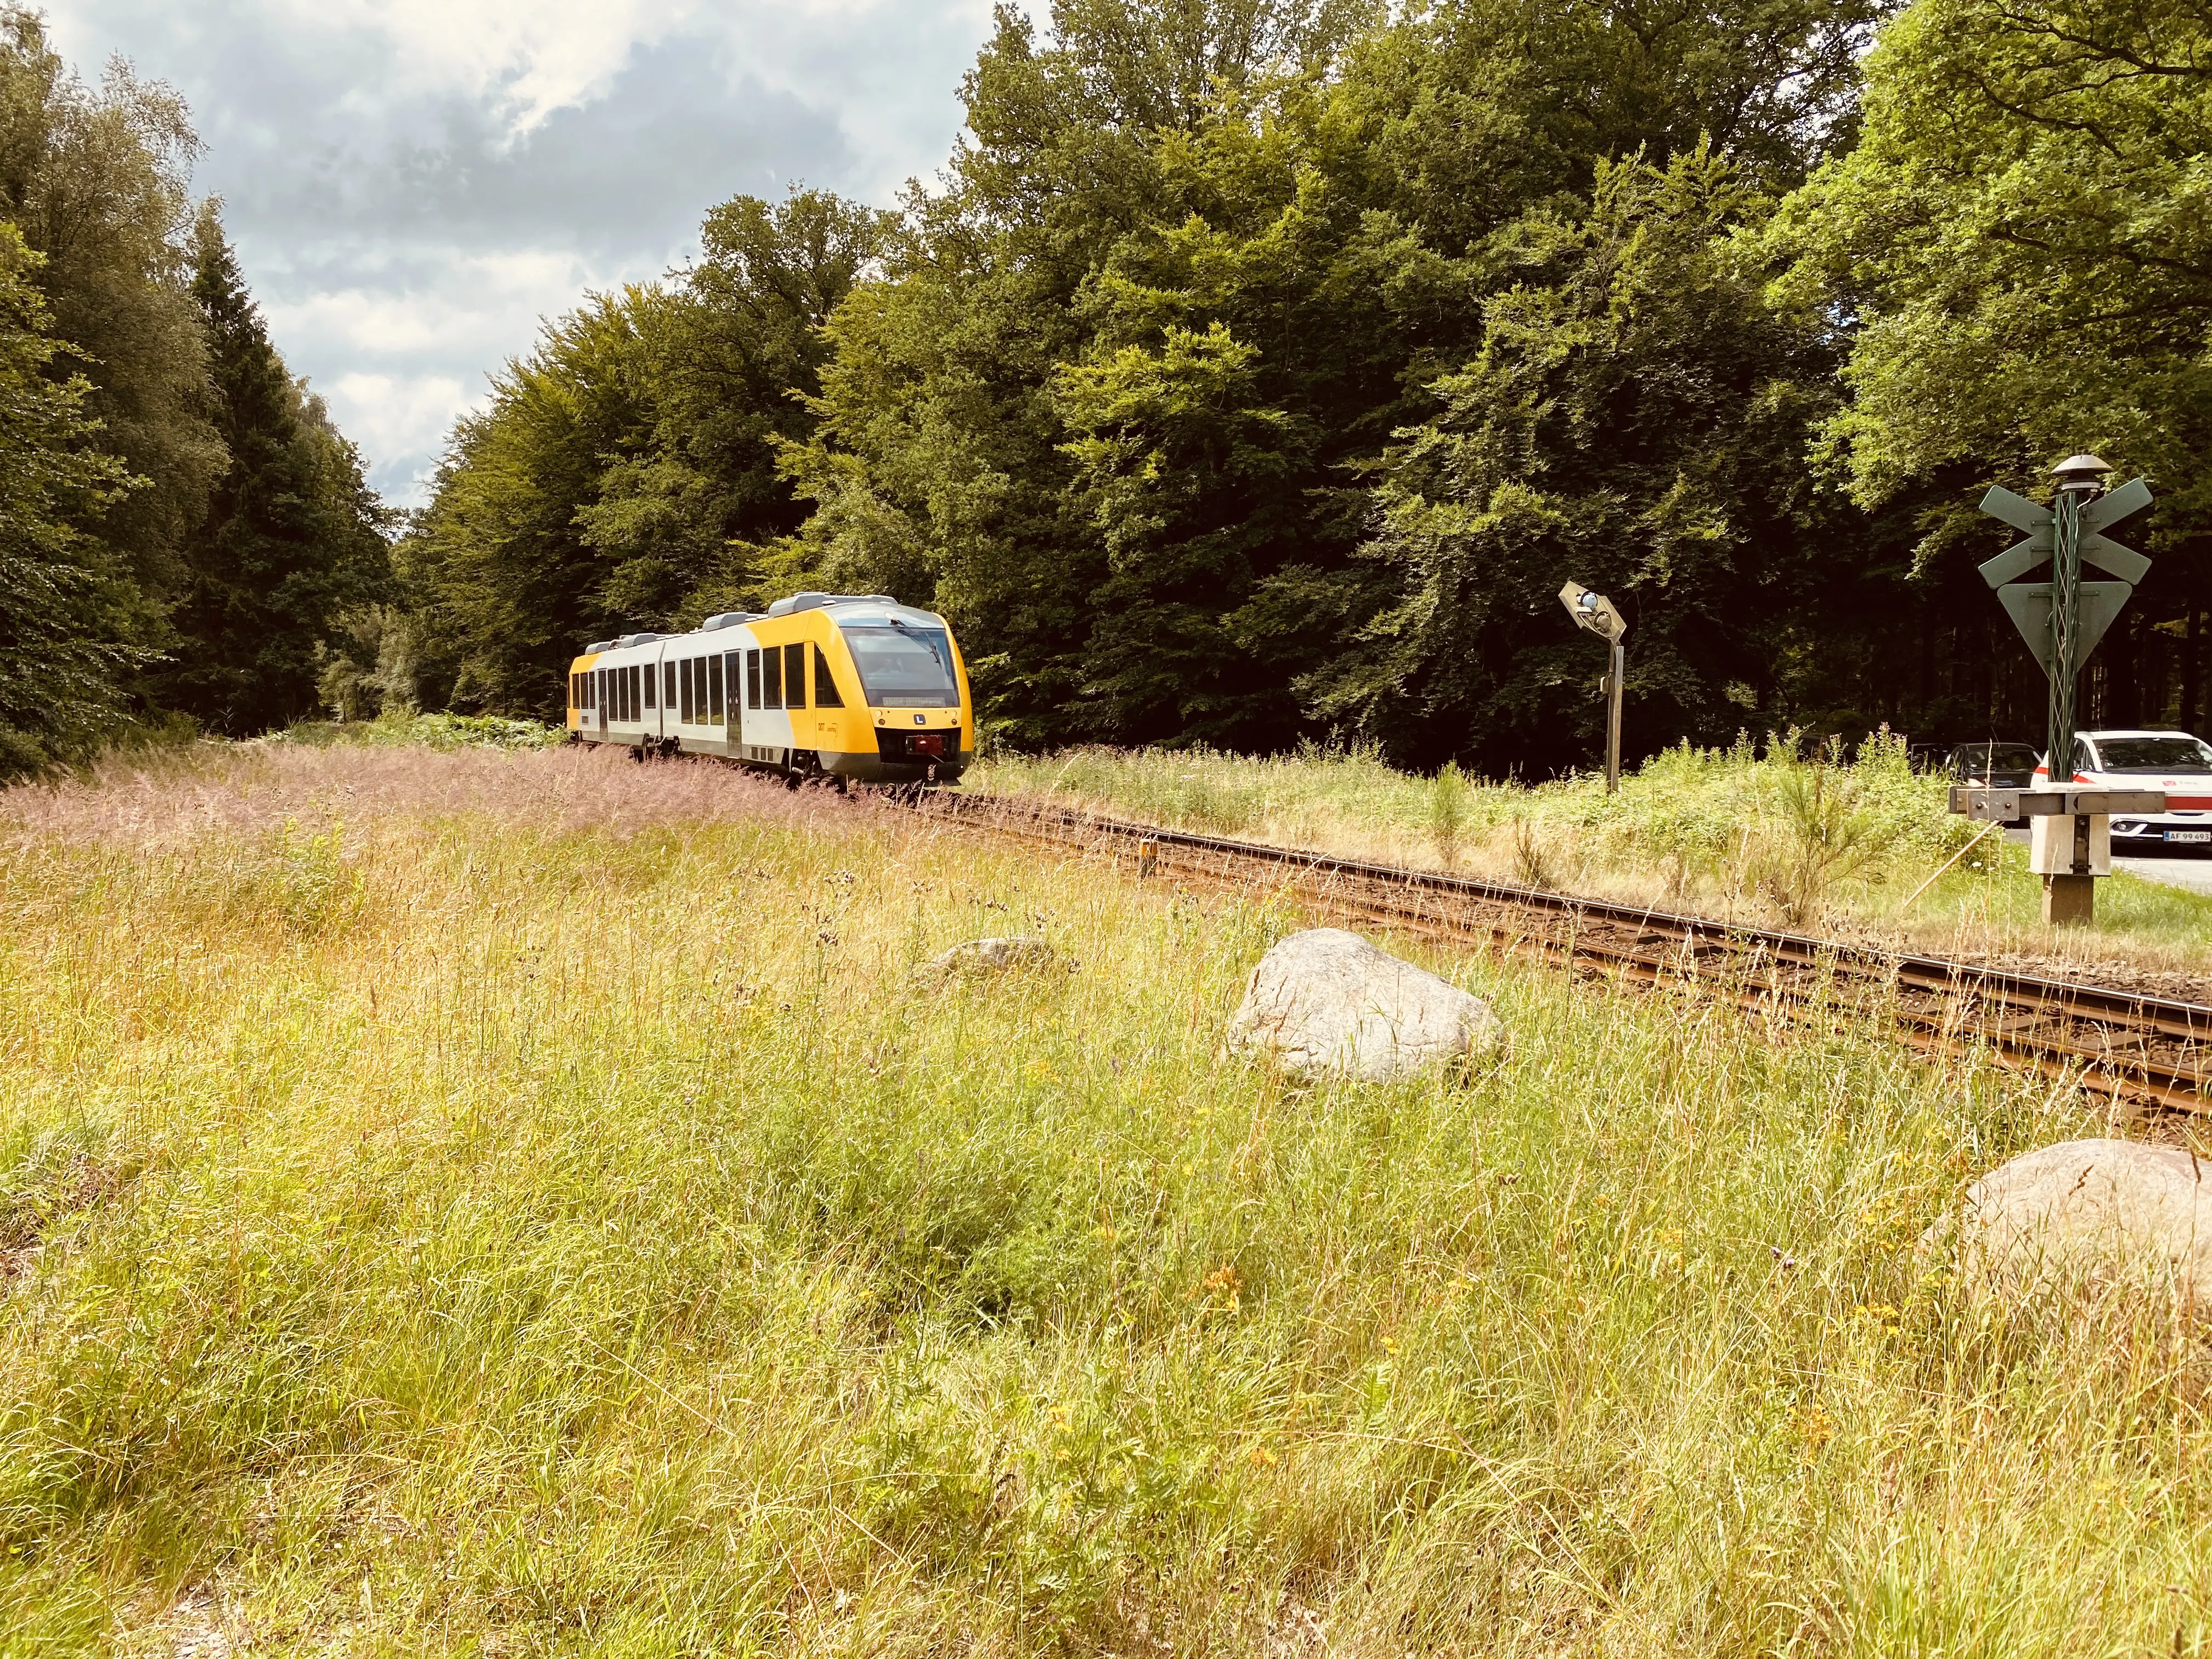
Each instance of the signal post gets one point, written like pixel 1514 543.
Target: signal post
pixel 1594 613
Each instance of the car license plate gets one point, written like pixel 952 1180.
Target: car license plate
pixel 2188 835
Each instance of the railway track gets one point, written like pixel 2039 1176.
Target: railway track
pixel 2147 1053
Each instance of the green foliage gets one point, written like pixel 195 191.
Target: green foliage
pixel 293 537
pixel 2025 220
pixel 68 614
pixel 625 474
pixel 172 490
pixel 1634 415
pixel 403 729
pixel 96 179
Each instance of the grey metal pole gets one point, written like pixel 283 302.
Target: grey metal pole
pixel 1613 718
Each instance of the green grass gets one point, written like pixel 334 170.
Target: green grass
pixel 565 1225
pixel 406 729
pixel 1767 834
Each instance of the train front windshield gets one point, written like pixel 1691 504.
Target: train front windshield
pixel 904 667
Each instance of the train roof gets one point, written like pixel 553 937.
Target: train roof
pixel 859 609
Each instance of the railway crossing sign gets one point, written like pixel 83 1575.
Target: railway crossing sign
pixel 2030 604
pixel 2062 619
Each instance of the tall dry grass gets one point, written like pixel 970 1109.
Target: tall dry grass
pixel 527 1205
pixel 1771 834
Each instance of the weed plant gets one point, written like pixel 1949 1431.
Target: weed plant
pixel 1769 833
pixel 495 1203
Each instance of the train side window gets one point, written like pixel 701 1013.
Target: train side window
pixel 714 688
pixel 772 678
pixel 752 679
pixel 651 678
pixel 685 680
pixel 794 677
pixel 668 686
pixel 636 690
pixel 825 686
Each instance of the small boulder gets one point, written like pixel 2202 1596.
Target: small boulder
pixel 987 956
pixel 2093 1213
pixel 1327 1002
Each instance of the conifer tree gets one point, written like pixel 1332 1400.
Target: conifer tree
pixel 67 612
pixel 291 537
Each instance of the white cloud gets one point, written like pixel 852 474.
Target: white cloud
pixel 413 184
pixel 390 412
pixel 479 293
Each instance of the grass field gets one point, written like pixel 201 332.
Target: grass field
pixel 499 1203
pixel 1764 834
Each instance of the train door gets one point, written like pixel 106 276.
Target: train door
pixel 745 665
pixel 768 729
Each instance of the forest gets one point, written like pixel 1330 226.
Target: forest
pixel 183 531
pixel 1252 372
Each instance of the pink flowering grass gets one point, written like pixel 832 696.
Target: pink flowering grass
pixel 171 801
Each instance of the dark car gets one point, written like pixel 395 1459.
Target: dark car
pixel 1997 765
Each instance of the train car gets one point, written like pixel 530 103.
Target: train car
pixel 853 687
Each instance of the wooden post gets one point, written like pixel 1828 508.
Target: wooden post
pixel 2069 901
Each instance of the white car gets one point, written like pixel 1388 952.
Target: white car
pixel 2174 761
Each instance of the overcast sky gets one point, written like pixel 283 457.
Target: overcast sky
pixel 412 184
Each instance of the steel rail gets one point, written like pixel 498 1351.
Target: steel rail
pixel 2139 1049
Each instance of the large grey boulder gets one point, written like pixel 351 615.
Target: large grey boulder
pixel 2094 1214
pixel 987 956
pixel 1325 1002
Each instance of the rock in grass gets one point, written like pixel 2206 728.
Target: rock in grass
pixel 1325 1002
pixel 2094 1214
pixel 987 956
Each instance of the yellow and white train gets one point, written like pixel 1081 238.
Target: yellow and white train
pixel 853 687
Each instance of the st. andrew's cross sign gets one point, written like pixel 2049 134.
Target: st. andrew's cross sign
pixel 2063 619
